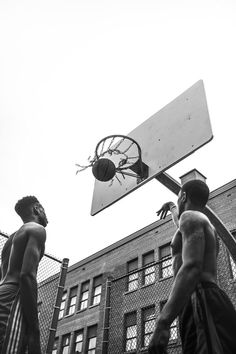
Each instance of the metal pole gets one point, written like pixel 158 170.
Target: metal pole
pixel 53 327
pixel 221 229
pixel 106 318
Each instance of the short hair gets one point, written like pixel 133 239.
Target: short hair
pixel 24 205
pixel 197 191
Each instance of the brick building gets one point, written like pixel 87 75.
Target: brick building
pixel 112 298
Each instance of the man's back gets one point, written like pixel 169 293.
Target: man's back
pixel 13 254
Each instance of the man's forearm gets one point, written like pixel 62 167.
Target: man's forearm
pixel 183 286
pixel 28 294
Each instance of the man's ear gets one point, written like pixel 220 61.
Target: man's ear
pixel 184 197
pixel 36 209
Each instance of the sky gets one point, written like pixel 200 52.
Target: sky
pixel 73 72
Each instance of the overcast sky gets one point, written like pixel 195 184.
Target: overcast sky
pixel 72 72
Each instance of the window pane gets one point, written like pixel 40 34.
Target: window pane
pixel 167 263
pixel 167 272
pixel 71 310
pixel 84 305
pixel 92 343
pixel 79 337
pixel 84 295
pixel 133 265
pixel 96 300
pixel 65 341
pixel 131 332
pixel 78 347
pixel 165 251
pixel 149 326
pixel 133 276
pixel 133 285
pixel 173 333
pixel 97 281
pixel 85 286
pixel 148 258
pixel 131 344
pixel 149 270
pixel 98 290
pixel 73 301
pixel 147 338
pixel 149 279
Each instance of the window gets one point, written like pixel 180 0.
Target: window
pixel 92 339
pixel 72 301
pixel 65 344
pixel 97 290
pixel 62 307
pixel 148 323
pixel 149 272
pixel 84 296
pixel 166 262
pixel 130 331
pixel 55 346
pixel 173 326
pixel 132 278
pixel 78 344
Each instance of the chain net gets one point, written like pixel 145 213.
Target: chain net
pixel 136 300
pixel 48 278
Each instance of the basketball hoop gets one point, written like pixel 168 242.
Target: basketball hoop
pixel 125 154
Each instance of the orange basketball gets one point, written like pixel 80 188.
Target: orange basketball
pixel 104 169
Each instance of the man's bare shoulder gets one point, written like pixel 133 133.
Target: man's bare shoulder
pixel 193 219
pixel 32 229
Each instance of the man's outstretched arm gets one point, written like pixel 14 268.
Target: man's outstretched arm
pixel 28 285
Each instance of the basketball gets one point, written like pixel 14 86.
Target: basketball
pixel 104 169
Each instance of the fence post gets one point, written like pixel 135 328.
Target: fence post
pixel 106 317
pixel 61 284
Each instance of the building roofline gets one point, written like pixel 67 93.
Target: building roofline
pixel 142 231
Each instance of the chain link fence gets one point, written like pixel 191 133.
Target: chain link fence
pixel 136 299
pixel 51 280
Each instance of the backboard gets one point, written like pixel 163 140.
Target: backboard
pixel 167 137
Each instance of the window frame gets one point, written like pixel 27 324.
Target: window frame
pixel 69 305
pixel 63 346
pixel 125 326
pixel 147 267
pixel 90 329
pixel 81 300
pixel 163 259
pixel 134 274
pixel 143 333
pixel 98 279
pixel 62 305
pixel 81 331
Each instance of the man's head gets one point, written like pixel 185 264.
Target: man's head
pixel 194 194
pixel 29 209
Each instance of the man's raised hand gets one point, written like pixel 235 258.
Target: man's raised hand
pixel 164 209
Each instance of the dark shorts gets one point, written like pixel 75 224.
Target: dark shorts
pixel 208 322
pixel 12 328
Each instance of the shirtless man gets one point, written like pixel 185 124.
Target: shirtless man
pixel 207 317
pixel 19 327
